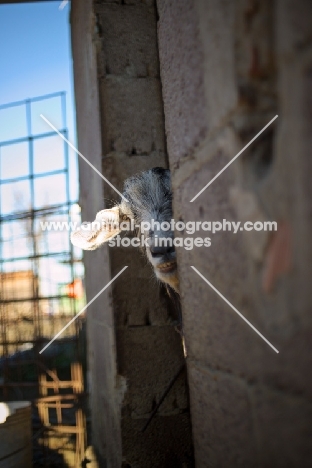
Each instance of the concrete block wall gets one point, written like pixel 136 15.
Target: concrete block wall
pixel 134 350
pixel 227 68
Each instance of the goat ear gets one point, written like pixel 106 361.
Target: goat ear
pixel 90 236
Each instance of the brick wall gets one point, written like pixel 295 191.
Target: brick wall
pixel 227 68
pixel 134 350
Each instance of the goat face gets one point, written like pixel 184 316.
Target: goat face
pixel 149 203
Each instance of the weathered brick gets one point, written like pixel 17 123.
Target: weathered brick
pixel 149 304
pixel 221 420
pixel 129 40
pixel 283 425
pixel 215 334
pixel 182 74
pixel 165 444
pixel 149 357
pixel 211 52
pixel 117 167
pixel 130 328
pixel 98 3
pixel 133 115
pixel 293 190
pixel 293 27
pixel 149 3
pixel 217 34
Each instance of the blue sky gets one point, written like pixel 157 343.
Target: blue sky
pixel 35 59
pixel 35 56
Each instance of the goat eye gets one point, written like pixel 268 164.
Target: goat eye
pixel 125 217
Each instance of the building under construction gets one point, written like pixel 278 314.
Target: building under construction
pixel 41 281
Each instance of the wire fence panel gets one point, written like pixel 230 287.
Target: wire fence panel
pixel 41 273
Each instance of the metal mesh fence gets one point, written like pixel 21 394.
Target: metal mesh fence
pixel 41 274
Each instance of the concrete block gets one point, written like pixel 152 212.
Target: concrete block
pixel 217 34
pixel 283 424
pixel 293 20
pixel 254 34
pixel 148 358
pixel 221 420
pixel 138 299
pixel 117 167
pixel 224 261
pixel 212 329
pixel 215 335
pixel 294 186
pixel 149 3
pixel 133 115
pixel 129 40
pixel 182 74
pixel 109 2
pixel 167 442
